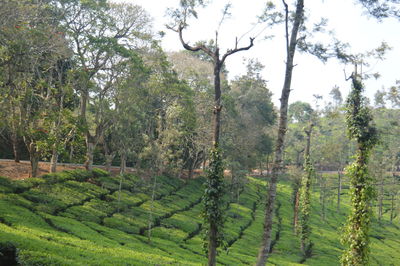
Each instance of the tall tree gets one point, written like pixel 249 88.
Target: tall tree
pixel 102 36
pixel 360 128
pixel 35 49
pixel 247 141
pixel 291 43
pixel 214 186
pixel 305 198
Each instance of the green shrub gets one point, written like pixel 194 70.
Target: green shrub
pixel 84 213
pixel 115 222
pixel 98 173
pixel 6 185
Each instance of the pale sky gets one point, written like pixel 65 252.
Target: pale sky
pixel 310 75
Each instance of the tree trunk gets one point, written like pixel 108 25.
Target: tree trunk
pixel 34 159
pixel 217 103
pixel 215 181
pixel 53 161
pixel 392 209
pixel 90 144
pixel 305 198
pixel 265 246
pixel 14 141
pixel 71 153
pixel 89 153
pixel 119 192
pixel 190 174
pixel 122 168
pixel 213 229
pixel 109 159
pixel 380 200
pixel 296 211
pixel 322 197
pixel 339 191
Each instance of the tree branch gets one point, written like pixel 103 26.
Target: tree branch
pixel 235 50
pixel 197 48
pixel 286 25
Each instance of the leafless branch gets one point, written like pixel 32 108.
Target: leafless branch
pixel 286 24
pixel 236 49
pixel 197 48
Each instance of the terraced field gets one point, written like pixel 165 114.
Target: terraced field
pixel 82 218
pixel 78 218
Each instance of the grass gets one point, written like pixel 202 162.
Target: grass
pixel 81 218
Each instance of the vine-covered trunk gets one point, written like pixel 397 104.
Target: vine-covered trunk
pixel 265 246
pixel 214 195
pixel 380 200
pixel 214 185
pixel 339 192
pixel 305 199
pixel 296 209
pixel 358 119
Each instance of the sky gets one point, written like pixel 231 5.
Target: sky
pixel 310 76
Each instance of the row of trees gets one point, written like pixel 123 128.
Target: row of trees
pixel 88 81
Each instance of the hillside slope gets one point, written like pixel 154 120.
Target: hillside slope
pixel 81 218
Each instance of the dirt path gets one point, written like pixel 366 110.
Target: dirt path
pixel 21 170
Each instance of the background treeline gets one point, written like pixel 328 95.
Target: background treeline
pixel 87 82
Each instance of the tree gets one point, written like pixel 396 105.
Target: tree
pixel 247 141
pixel 102 37
pixel 336 96
pixel 291 43
pixel 198 75
pixel 34 89
pixel 305 198
pixel 360 128
pixel 213 193
pixel 381 9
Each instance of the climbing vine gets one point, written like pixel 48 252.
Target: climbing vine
pixel 360 128
pixel 304 228
pixel 213 200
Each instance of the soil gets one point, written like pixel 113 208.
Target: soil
pixel 22 170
